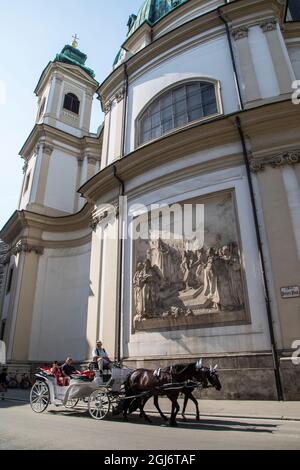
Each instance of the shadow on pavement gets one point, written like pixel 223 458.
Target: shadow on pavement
pixel 205 424
pixel 9 403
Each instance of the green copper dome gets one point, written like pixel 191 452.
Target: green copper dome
pixel 150 12
pixel 72 55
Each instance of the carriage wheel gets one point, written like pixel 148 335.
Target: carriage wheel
pixel 99 405
pixel 39 397
pixel 72 403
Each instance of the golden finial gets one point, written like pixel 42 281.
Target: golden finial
pixel 75 41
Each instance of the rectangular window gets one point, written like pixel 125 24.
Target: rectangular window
pixel 26 183
pixel 10 278
pixel 293 10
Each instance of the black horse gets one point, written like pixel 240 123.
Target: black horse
pixel 169 382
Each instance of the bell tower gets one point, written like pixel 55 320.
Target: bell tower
pixel 55 153
pixel 65 92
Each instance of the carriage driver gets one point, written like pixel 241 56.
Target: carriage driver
pixel 100 357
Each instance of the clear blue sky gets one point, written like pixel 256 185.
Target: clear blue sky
pixel 31 33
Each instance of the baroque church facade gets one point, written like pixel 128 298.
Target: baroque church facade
pixel 198 112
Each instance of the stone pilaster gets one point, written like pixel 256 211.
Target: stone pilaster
pixel 44 154
pixel 280 58
pixel 246 66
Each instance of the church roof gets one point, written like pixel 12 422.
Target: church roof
pixel 150 12
pixel 72 55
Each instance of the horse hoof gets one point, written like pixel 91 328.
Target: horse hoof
pixel 173 425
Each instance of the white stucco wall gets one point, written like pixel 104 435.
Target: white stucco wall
pixel 207 60
pixel 61 181
pixel 60 307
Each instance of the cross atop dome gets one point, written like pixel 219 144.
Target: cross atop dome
pixel 75 41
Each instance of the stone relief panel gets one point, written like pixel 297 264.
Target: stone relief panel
pixel 184 282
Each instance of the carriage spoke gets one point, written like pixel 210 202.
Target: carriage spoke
pixel 99 405
pixel 39 397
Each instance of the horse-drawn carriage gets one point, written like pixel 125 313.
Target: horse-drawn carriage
pixel 122 390
pixel 99 392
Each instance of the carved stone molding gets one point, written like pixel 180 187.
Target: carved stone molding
pixel 97 219
pixel 269 25
pixel 25 167
pixel 92 160
pixel 240 33
pixel 47 149
pixel 120 94
pixel 58 77
pixel 24 247
pixel 107 106
pixel 287 158
pixel 117 96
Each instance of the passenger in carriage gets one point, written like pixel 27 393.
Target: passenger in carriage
pixel 100 357
pixel 67 369
pixel 55 369
pixel 58 374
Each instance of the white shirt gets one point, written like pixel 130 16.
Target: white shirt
pixel 99 352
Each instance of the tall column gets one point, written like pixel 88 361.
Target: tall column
pixel 280 58
pixel 247 70
pixel 292 188
pixel 93 314
pixel 21 305
pixel 53 99
pixel 78 183
pixel 25 301
pixel 92 162
pixel 105 144
pixel 86 115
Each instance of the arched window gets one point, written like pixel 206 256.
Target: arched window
pixel 72 103
pixel 177 107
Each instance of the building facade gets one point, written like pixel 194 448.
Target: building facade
pixel 198 113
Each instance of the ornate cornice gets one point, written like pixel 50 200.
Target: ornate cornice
pixel 287 158
pixel 269 25
pixel 240 33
